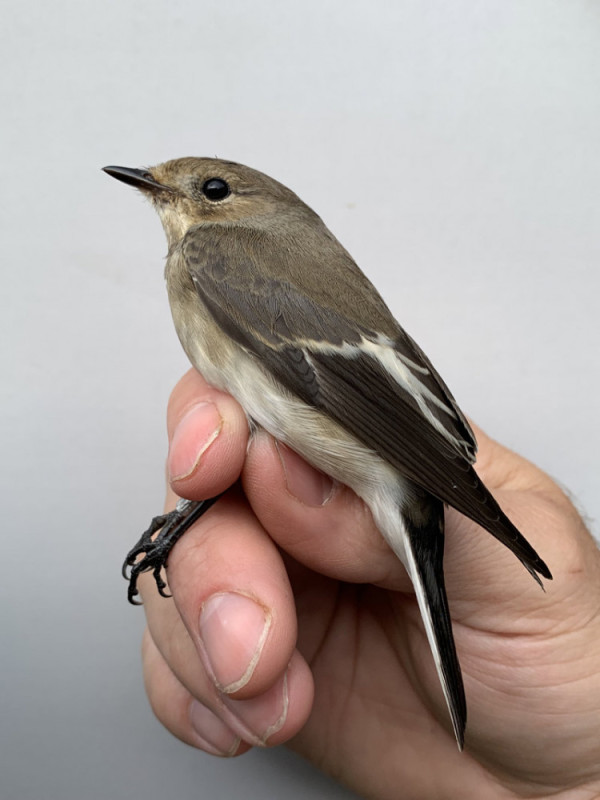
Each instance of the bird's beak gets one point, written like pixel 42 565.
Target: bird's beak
pixel 140 178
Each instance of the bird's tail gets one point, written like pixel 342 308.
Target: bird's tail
pixel 423 542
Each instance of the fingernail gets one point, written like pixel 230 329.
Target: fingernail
pixel 257 719
pixel 194 434
pixel 233 632
pixel 305 483
pixel 214 736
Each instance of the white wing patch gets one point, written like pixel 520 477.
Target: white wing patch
pixel 401 369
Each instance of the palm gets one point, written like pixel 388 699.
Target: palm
pixel 378 697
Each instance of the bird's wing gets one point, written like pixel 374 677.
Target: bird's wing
pixel 285 318
pixel 385 393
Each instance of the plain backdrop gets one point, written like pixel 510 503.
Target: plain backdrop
pixel 452 147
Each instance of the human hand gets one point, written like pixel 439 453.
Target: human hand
pixel 292 621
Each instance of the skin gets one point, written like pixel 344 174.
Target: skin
pixel 342 673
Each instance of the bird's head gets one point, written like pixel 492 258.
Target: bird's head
pixel 195 191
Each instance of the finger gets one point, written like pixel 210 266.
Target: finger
pixel 322 524
pixel 229 632
pixel 208 434
pixel 327 528
pixel 186 718
pixel 337 537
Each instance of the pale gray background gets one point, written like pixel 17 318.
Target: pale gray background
pixel 452 147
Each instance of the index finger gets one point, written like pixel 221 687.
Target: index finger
pixel 208 435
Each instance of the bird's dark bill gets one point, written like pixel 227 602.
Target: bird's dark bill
pixel 139 178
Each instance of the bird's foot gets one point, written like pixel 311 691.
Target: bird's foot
pixel 170 528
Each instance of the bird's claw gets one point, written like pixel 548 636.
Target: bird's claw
pixel 155 551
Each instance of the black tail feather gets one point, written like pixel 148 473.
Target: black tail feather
pixel 425 531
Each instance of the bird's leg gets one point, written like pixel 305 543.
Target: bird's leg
pixel 172 526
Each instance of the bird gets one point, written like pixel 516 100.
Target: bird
pixel 272 309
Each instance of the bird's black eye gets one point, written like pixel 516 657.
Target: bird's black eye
pixel 216 189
